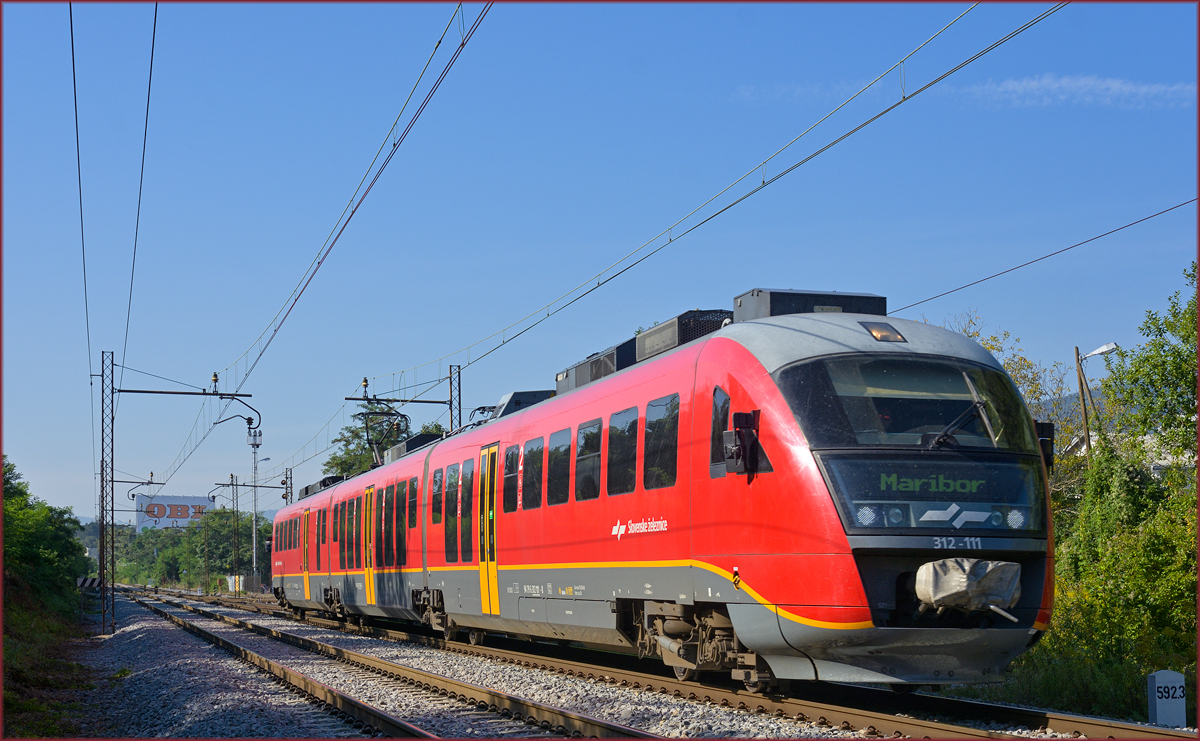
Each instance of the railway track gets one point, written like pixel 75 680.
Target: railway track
pixel 436 706
pixel 847 707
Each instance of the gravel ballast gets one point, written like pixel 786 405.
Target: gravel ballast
pixel 159 681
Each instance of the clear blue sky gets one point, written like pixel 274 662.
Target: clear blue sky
pixel 564 137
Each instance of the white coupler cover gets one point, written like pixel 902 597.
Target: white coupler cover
pixel 969 583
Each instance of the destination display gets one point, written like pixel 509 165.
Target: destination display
pixel 935 491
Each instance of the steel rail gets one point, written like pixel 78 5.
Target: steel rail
pixel 566 721
pixel 884 703
pixel 385 723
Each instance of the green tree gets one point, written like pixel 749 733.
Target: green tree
pixel 1154 384
pixel 1125 588
pixel 40 548
pixel 355 454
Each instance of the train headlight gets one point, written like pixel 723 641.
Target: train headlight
pixel 997 518
pixel 897 515
pixel 868 516
pixel 1016 518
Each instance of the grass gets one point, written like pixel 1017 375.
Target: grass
pixel 41 679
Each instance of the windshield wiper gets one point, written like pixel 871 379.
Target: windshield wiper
pixel 977 407
pixel 982 408
pixel 941 437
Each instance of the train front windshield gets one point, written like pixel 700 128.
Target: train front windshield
pixel 920 443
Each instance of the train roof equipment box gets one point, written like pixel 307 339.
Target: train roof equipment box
pixel 515 401
pixel 688 326
pixel 680 330
pixel 419 440
pixel 596 366
pixel 763 302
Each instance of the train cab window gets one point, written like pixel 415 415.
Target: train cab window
pixel 436 497
pixel 558 476
pixel 531 484
pixel 468 498
pixel 412 502
pixel 587 461
pixel 720 423
pixel 451 539
pixel 512 463
pixel 622 451
pixel 389 523
pixel 661 453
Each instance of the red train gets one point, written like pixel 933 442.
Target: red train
pixel 803 488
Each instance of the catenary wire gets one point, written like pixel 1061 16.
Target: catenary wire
pixel 766 182
pixel 350 203
pixel 312 273
pixel 164 378
pixel 600 281
pixel 87 321
pixel 138 220
pixel 1043 257
pixel 669 229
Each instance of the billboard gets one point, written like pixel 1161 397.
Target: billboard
pixel 160 512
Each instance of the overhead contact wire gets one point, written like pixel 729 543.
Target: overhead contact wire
pixel 346 222
pixel 141 179
pixel 87 321
pixel 1043 257
pixel 601 281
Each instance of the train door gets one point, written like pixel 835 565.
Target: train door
pixel 489 588
pixel 369 536
pixel 304 555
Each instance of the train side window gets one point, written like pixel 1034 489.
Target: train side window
pixel 320 535
pixel 436 497
pixel 350 533
pixel 622 451
pixel 413 489
pixel 558 476
pixel 401 546
pixel 358 530
pixel 389 525
pixel 587 461
pixel 451 539
pixel 377 533
pixel 531 484
pixel 292 532
pixel 512 463
pixel 468 497
pixel 661 454
pixel 720 423
pixel 341 531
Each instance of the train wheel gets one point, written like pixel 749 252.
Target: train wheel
pixel 758 687
pixel 684 674
pixel 475 637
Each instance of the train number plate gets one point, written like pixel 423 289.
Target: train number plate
pixel 957 543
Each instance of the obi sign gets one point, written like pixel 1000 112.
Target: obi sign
pixel 159 512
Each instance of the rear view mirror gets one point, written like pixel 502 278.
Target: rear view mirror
pixel 741 443
pixel 1045 433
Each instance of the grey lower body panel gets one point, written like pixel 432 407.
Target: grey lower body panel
pixel 795 650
